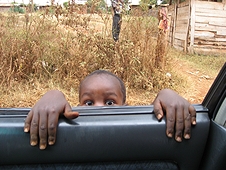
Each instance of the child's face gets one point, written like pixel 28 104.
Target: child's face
pixel 101 90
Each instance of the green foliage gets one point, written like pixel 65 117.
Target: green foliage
pixel 153 2
pixel 96 5
pixel 146 3
pixel 17 9
pixel 65 4
pixel 165 2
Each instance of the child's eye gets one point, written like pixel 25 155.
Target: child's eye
pixel 89 103
pixel 110 102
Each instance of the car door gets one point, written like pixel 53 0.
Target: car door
pixel 215 102
pixel 128 137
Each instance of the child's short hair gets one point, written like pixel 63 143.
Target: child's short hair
pixel 123 89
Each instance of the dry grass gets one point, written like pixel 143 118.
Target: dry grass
pixel 208 64
pixel 55 50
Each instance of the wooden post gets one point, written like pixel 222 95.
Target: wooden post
pixel 174 23
pixel 192 36
pixel 32 6
pixel 187 29
pixel 162 35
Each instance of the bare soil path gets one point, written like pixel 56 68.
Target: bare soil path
pixel 199 82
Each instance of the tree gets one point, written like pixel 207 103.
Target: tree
pixel 96 5
pixel 144 4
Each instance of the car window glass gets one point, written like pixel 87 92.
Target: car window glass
pixel 221 115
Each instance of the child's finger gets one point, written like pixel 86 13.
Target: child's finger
pixel 68 113
pixel 158 110
pixel 27 122
pixel 170 121
pixel 52 128
pixel 192 111
pixel 34 130
pixel 179 124
pixel 43 119
pixel 71 115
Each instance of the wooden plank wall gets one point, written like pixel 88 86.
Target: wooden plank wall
pixel 179 25
pixel 207 32
pixel 171 16
pixel 210 27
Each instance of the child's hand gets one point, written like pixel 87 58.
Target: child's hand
pixel 179 113
pixel 42 120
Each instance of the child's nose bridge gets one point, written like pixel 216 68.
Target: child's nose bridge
pixel 99 103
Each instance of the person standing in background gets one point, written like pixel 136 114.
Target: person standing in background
pixel 117 6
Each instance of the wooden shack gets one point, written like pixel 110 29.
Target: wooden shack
pixel 5 7
pixel 198 26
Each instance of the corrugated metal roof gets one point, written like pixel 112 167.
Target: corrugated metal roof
pixel 6 4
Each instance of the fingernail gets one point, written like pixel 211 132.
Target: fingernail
pixel 170 135
pixel 194 122
pixel 51 142
pixel 33 143
pixel 187 136
pixel 42 147
pixel 26 130
pixel 159 116
pixel 178 139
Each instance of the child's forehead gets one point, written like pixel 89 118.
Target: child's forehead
pixel 100 82
pixel 103 77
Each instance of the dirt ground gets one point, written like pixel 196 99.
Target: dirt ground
pixel 199 82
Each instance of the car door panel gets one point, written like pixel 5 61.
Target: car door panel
pixel 119 134
pixel 215 153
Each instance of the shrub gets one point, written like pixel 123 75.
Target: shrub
pixel 65 49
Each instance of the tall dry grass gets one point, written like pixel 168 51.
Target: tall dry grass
pixel 57 48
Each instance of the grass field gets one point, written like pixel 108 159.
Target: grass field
pixel 43 51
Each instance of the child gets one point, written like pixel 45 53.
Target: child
pixel 102 88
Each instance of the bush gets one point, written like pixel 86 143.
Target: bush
pixel 17 9
pixel 66 49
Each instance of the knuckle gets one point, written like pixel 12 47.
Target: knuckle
pixel 52 126
pixel 48 110
pixel 188 117
pixel 179 133
pixel 52 110
pixel 180 120
pixel 26 120
pixel 43 141
pixel 193 116
pixel 51 138
pixel 26 124
pixel 171 106
pixel 156 111
pixel 34 124
pixel 42 127
pixel 34 137
pixel 171 120
pixel 170 130
pixel 187 131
